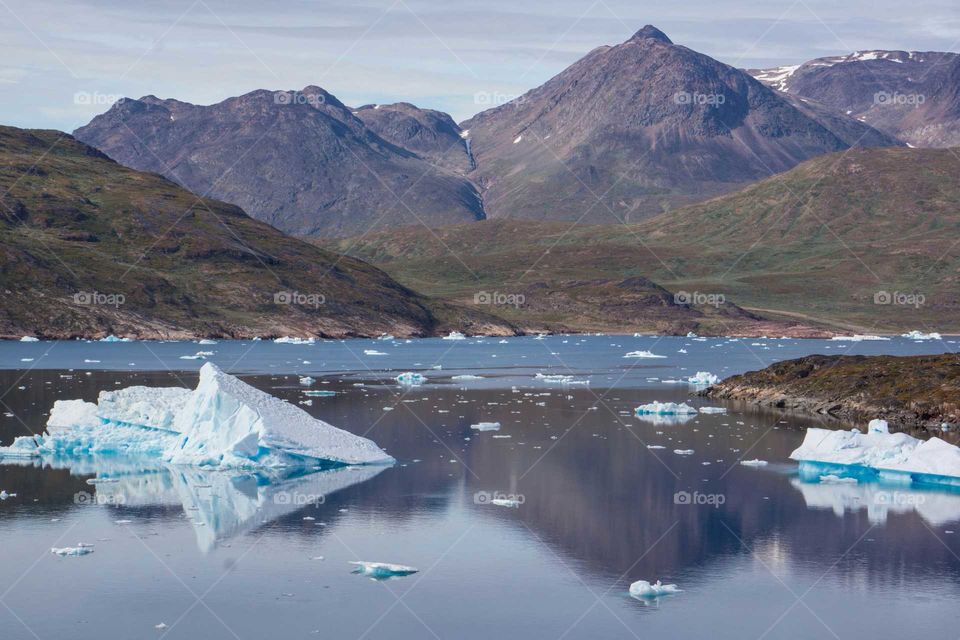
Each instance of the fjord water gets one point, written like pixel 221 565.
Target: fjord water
pixel 757 551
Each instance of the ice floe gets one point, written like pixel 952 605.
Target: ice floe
pixel 486 426
pixel 410 378
pixel 79 550
pixel 382 570
pixel 643 589
pixel 664 409
pixel 642 354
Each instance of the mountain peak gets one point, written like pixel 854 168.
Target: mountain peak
pixel 650 32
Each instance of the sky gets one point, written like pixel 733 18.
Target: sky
pixel 63 62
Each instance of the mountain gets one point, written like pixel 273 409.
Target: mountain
pixel 912 95
pixel 431 134
pixel 638 128
pixel 301 161
pixel 90 248
pixel 861 241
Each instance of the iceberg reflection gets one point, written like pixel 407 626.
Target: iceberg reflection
pixel 221 503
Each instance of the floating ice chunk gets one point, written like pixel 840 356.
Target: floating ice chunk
pixel 410 378
pixel 382 570
pixel 703 378
pixel 859 338
pixel 207 341
pixel 6 496
pixel 307 381
pixel 113 338
pixel 931 461
pixel 919 335
pixel 455 335
pixel 319 394
pixel 386 336
pixel 228 423
pixel 691 334
pixel 291 340
pixel 713 409
pixel 373 352
pixel 506 502
pixel 643 589
pixel 754 463
pixel 80 550
pixel 642 354
pixel 467 377
pixel 664 408
pixel 684 452
pixel 486 426
pixel 557 378
pixel 29 339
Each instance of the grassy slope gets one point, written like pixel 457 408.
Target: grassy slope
pixel 815 243
pixel 74 221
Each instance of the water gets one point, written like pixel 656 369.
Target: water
pixel 758 552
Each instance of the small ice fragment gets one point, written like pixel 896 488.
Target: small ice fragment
pixel 307 381
pixel 506 502
pixel 703 378
pixel 754 463
pixel 411 379
pixel 455 335
pixel 29 339
pixel 683 452
pixel 382 570
pixel 642 354
pixel 160 627
pixel 643 589
pixel 373 352
pixel 80 550
pixel 713 409
pixel 664 408
pixel 486 426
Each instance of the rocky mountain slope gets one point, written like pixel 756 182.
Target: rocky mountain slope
pixel 301 161
pixel 912 95
pixel 89 248
pixel 909 392
pixel 638 128
pixel 861 240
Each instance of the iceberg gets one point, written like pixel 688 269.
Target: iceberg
pixel 113 338
pixel 881 454
pixel 411 379
pixel 919 335
pixel 703 378
pixel 664 409
pixel 455 335
pixel 643 589
pixel 307 381
pixel 29 339
pixel 642 354
pixel 223 423
pixel 382 570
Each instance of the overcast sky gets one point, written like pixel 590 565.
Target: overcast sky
pixel 64 61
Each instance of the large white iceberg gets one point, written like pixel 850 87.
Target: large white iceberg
pixel 223 423
pixel 889 455
pixel 704 378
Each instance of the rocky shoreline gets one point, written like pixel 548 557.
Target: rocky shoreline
pixel 911 392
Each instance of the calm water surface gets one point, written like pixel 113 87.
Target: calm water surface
pixel 758 551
